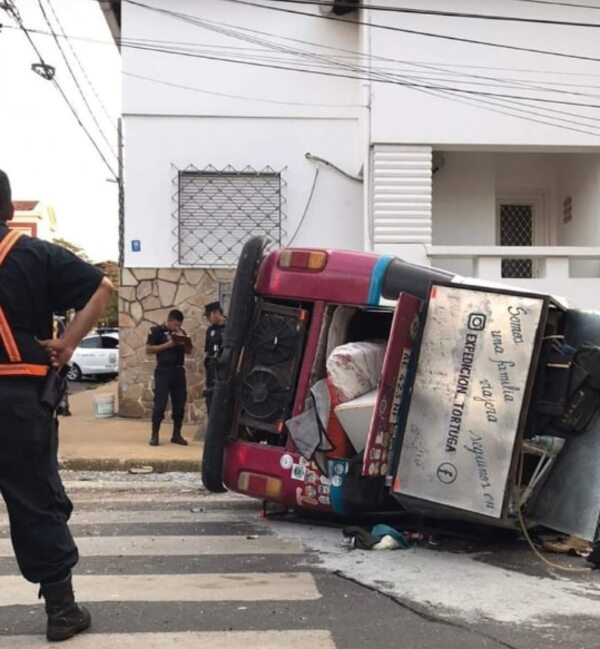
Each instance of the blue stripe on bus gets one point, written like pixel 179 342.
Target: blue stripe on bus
pixel 377 279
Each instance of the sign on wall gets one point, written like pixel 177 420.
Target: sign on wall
pixel 467 396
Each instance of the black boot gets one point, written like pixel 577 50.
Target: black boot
pixel 154 436
pixel 177 438
pixel 65 617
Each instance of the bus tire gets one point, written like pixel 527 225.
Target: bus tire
pixel 222 407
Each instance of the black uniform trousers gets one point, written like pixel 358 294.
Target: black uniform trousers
pixel 170 381
pixel 38 507
pixel 210 367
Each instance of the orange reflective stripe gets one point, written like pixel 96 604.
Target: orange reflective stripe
pixel 7 243
pixel 23 369
pixel 6 335
pixel 8 339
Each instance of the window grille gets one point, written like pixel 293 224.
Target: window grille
pixel 219 209
pixel 516 229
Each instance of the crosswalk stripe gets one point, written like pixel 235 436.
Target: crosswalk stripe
pixel 139 546
pixel 135 486
pixel 315 639
pixel 82 517
pixel 246 587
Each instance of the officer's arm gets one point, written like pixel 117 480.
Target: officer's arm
pixel 61 350
pixel 156 349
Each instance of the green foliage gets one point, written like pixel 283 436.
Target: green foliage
pixel 110 317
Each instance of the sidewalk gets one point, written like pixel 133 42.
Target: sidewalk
pixel 112 443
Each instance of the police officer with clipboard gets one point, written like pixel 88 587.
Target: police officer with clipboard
pixel 169 343
pixel 37 279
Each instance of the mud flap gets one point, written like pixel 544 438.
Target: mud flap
pixel 222 406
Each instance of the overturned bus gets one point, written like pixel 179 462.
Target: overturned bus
pixel 351 382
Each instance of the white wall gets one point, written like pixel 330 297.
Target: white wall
pixel 465 190
pixel 218 83
pixel 580 178
pixel 419 116
pixel 238 115
pixel 463 200
pixel 156 146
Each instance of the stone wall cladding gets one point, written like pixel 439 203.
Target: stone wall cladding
pixel 146 296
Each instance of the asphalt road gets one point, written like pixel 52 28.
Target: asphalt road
pixel 166 564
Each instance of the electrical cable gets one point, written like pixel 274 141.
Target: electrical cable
pixel 538 554
pixel 491 96
pixel 444 91
pixel 316 158
pixel 571 5
pixel 446 94
pixel 13 11
pixel 363 71
pixel 308 202
pixel 81 67
pixel 245 98
pixel 415 32
pixel 132 43
pixel 444 14
pixel 75 80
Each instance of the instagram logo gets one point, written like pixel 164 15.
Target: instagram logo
pixel 476 321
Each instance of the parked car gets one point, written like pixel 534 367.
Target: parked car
pixel 97 355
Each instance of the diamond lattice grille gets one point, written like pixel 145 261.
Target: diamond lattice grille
pixel 219 210
pixel 516 229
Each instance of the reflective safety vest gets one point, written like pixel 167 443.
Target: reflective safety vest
pixel 15 365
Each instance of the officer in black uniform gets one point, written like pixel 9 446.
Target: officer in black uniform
pixel 169 375
pixel 212 347
pixel 36 279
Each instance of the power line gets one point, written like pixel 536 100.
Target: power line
pixel 445 14
pixel 498 81
pixel 131 43
pixel 571 5
pixel 403 30
pixel 434 90
pixel 362 71
pixel 75 80
pixel 446 92
pixel 81 67
pixel 13 11
pixel 230 96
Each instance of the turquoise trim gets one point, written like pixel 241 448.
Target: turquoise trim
pixel 377 279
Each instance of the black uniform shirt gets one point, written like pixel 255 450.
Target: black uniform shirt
pixel 170 357
pixel 37 279
pixel 213 341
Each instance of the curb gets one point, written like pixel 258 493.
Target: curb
pixel 115 464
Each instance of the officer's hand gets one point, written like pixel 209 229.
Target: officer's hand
pixel 58 351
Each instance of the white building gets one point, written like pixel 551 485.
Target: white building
pixel 483 158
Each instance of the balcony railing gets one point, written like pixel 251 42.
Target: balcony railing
pixel 569 271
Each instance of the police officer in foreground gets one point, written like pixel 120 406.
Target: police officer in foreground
pixel 212 347
pixel 36 279
pixel 170 343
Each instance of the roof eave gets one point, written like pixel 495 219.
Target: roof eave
pixel 112 13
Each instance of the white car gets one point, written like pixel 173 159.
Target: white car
pixel 97 354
